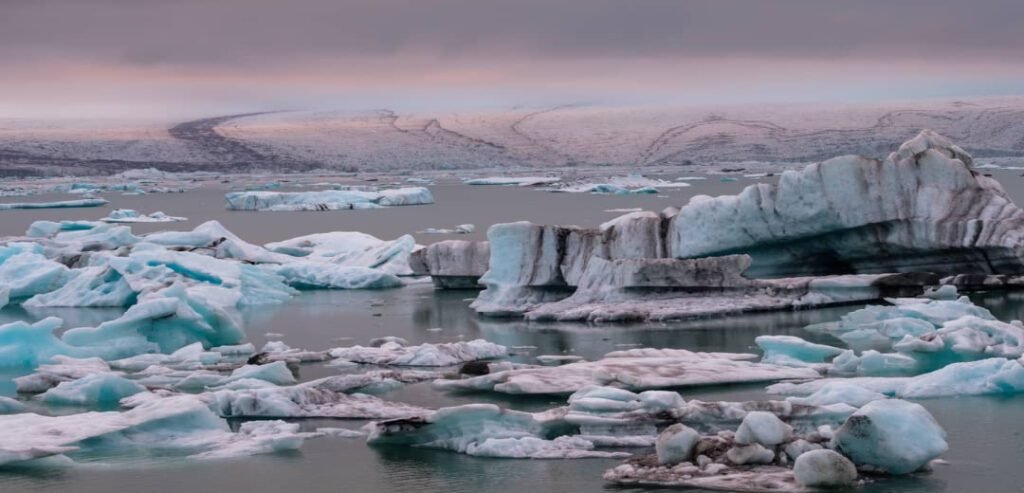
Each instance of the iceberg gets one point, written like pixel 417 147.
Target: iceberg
pixel 794 351
pixel 61 204
pixel 327 200
pixel 824 468
pixel 922 209
pixel 24 345
pixel 28 273
pixel 445 354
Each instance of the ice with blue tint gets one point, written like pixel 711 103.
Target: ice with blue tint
pixel 327 200
pixel 878 327
pixel 164 322
pixel 794 351
pixel 993 376
pixel 95 286
pixel 443 354
pixel 893 436
pixel 95 390
pixel 40 229
pixel 28 273
pixel 61 204
pixel 180 425
pixel 276 373
pixel 25 345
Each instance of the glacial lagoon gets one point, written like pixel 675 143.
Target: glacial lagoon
pixel 984 435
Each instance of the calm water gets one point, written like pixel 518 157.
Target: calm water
pixel 985 434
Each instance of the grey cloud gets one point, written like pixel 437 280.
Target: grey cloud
pixel 246 32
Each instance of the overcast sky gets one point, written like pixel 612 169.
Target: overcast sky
pixel 182 57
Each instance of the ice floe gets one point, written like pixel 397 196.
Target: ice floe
pixel 327 200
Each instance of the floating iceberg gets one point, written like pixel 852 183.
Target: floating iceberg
pixel 445 354
pixel 327 200
pixel 620 185
pixel 922 209
pixel 309 275
pixel 132 216
pixel 62 204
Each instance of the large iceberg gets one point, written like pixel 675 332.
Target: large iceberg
pixel 921 209
pixel 327 200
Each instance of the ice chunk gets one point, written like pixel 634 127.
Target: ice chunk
pixel 444 354
pixel 893 436
pixel 24 345
pixel 95 390
pixel 10 406
pixel 750 454
pixel 794 351
pixel 838 392
pixel 763 428
pixel 824 468
pixel 27 274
